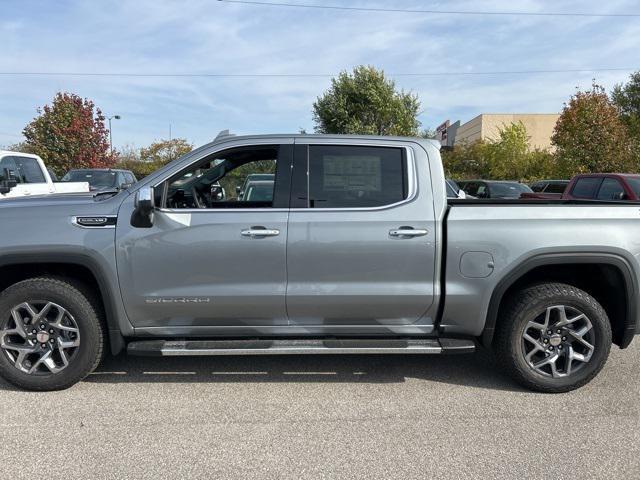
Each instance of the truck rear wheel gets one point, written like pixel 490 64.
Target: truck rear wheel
pixel 553 337
pixel 50 334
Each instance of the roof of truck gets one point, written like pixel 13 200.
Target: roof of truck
pixel 230 137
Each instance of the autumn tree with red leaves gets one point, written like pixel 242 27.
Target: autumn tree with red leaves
pixel 70 133
pixel 590 136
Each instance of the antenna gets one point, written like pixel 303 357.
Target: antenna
pixel 224 134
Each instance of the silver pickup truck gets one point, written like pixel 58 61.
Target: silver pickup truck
pixel 354 249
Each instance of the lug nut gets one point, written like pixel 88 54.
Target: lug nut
pixel 51 330
pixel 34 331
pixel 564 339
pixel 43 345
pixel 559 347
pixel 42 327
pixel 549 332
pixel 546 340
pixel 559 331
pixel 51 341
pixel 550 347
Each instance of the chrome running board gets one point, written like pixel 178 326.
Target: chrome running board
pixel 177 348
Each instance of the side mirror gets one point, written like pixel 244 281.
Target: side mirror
pixel 8 183
pixel 142 216
pixel 217 193
pixel 621 196
pixel 124 186
pixel 238 188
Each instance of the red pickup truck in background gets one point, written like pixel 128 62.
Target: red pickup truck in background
pixel 595 186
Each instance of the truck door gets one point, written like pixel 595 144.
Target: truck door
pixel 361 249
pixel 210 259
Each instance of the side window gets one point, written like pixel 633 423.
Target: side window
pixel 237 178
pixel 356 177
pixel 586 187
pixel 611 189
pixel 29 170
pixel 23 169
pixel 539 187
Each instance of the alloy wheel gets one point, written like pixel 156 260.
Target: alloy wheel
pixel 39 338
pixel 559 342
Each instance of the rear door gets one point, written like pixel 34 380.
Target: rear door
pixel 361 246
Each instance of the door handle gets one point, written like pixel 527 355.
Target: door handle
pixel 254 232
pixel 408 232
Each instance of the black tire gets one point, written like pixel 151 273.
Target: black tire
pixel 529 304
pixel 91 330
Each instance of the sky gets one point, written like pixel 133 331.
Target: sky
pixel 214 37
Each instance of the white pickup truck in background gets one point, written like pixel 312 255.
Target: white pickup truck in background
pixel 32 177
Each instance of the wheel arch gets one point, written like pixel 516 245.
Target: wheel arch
pixel 68 265
pixel 614 270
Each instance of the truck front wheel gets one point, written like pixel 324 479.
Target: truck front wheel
pixel 50 334
pixel 553 337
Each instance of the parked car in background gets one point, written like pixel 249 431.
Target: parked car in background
pixel 23 174
pixel 604 186
pixel 546 189
pixel 494 188
pixel 258 191
pixel 102 178
pixel 252 177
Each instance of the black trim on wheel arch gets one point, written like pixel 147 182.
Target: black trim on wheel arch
pixel 116 339
pixel 541 260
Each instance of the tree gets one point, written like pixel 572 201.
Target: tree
pixel 164 151
pixel 627 98
pixel 145 161
pixel 70 133
pixel 428 133
pixel 466 161
pixel 366 102
pixel 590 136
pixel 508 157
pixel 22 147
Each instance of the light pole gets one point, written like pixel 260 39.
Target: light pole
pixel 115 117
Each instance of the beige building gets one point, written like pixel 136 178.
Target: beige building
pixel 487 126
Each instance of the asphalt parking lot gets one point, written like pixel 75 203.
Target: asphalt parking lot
pixel 322 417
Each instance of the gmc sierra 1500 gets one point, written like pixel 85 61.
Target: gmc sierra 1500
pixel 353 248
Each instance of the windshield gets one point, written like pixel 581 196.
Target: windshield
pixel 508 190
pixel 96 178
